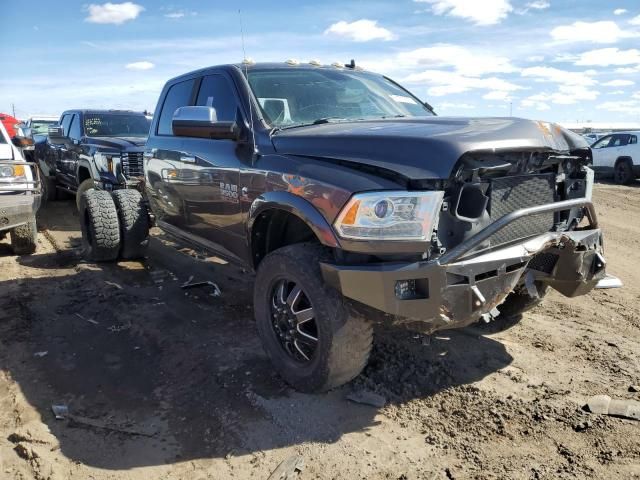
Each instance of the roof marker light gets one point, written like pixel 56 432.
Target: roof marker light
pixel 292 61
pixel 315 63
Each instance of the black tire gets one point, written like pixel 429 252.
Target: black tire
pixel 99 224
pixel 49 190
pixel 134 223
pixel 343 340
pixel 623 172
pixel 24 238
pixel 84 186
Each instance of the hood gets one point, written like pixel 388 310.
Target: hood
pixel 118 143
pixel 421 148
pixel 6 152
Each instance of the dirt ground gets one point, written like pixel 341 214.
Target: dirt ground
pixel 166 383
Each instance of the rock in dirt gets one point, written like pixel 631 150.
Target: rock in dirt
pixel 634 388
pixel 367 398
pixel 605 405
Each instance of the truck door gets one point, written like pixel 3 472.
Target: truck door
pixel 65 172
pixel 210 170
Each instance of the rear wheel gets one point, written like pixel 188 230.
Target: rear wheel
pixel 314 341
pixel 134 223
pixel 623 172
pixel 24 238
pixel 99 224
pixel 85 186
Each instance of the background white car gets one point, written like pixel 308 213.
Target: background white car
pixel 617 155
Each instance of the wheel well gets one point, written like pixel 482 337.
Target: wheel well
pixel 83 174
pixel 275 229
pixel 624 159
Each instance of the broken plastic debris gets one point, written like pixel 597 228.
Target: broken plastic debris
pixel 113 284
pixel 367 398
pixel 605 405
pixel 40 354
pixel 216 290
pixel 288 468
pixel 60 411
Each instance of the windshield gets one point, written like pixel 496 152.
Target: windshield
pixel 41 127
pixel 290 97
pixel 116 125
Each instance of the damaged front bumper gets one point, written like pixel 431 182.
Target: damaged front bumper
pixel 461 287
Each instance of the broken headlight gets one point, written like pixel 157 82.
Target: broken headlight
pixel 390 216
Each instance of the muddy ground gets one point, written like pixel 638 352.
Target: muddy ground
pixel 163 383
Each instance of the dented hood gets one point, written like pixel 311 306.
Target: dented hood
pixel 420 148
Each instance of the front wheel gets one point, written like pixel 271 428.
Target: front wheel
pixel 24 238
pixel 85 186
pixel 134 223
pixel 313 340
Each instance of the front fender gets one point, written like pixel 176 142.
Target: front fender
pixel 297 206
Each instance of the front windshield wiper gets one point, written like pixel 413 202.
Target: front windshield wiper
pixel 317 121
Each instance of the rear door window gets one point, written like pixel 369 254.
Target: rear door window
pixel 216 91
pixel 179 95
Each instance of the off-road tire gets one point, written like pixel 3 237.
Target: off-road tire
pixel 24 238
pixel 49 190
pixel 100 228
pixel 344 339
pixel 84 186
pixel 134 223
pixel 623 172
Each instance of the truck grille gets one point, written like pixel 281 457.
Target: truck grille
pixel 508 194
pixel 132 165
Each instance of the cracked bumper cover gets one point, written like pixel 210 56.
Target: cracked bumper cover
pixel 457 289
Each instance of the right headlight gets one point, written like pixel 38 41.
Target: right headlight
pixel 390 216
pixel 105 162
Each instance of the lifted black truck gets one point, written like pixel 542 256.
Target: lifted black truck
pixel 354 203
pixel 93 149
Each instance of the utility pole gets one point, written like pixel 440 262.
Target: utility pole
pixel 511 109
pixel 13 107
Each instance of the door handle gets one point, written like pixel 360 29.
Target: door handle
pixel 187 158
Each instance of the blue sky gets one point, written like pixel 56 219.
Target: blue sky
pixel 563 61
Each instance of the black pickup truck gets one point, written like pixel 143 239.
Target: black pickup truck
pixel 354 203
pixel 93 149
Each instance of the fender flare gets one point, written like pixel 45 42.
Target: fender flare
pixel 298 206
pixel 623 158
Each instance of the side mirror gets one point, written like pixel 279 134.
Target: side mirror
pixel 202 122
pixel 56 134
pixel 22 142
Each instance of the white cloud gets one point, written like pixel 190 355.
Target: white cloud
pixel 464 61
pixel 625 70
pixel 497 95
pixel 594 32
pixel 565 95
pixel 635 20
pixel 620 11
pixel 628 107
pixel 534 102
pixel 604 57
pixel 174 15
pixel 616 92
pixel 455 106
pixel 116 13
pixel 619 83
pixel 139 66
pixel 360 31
pixel 486 12
pixel 555 75
pixel 538 5
pixel 445 83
